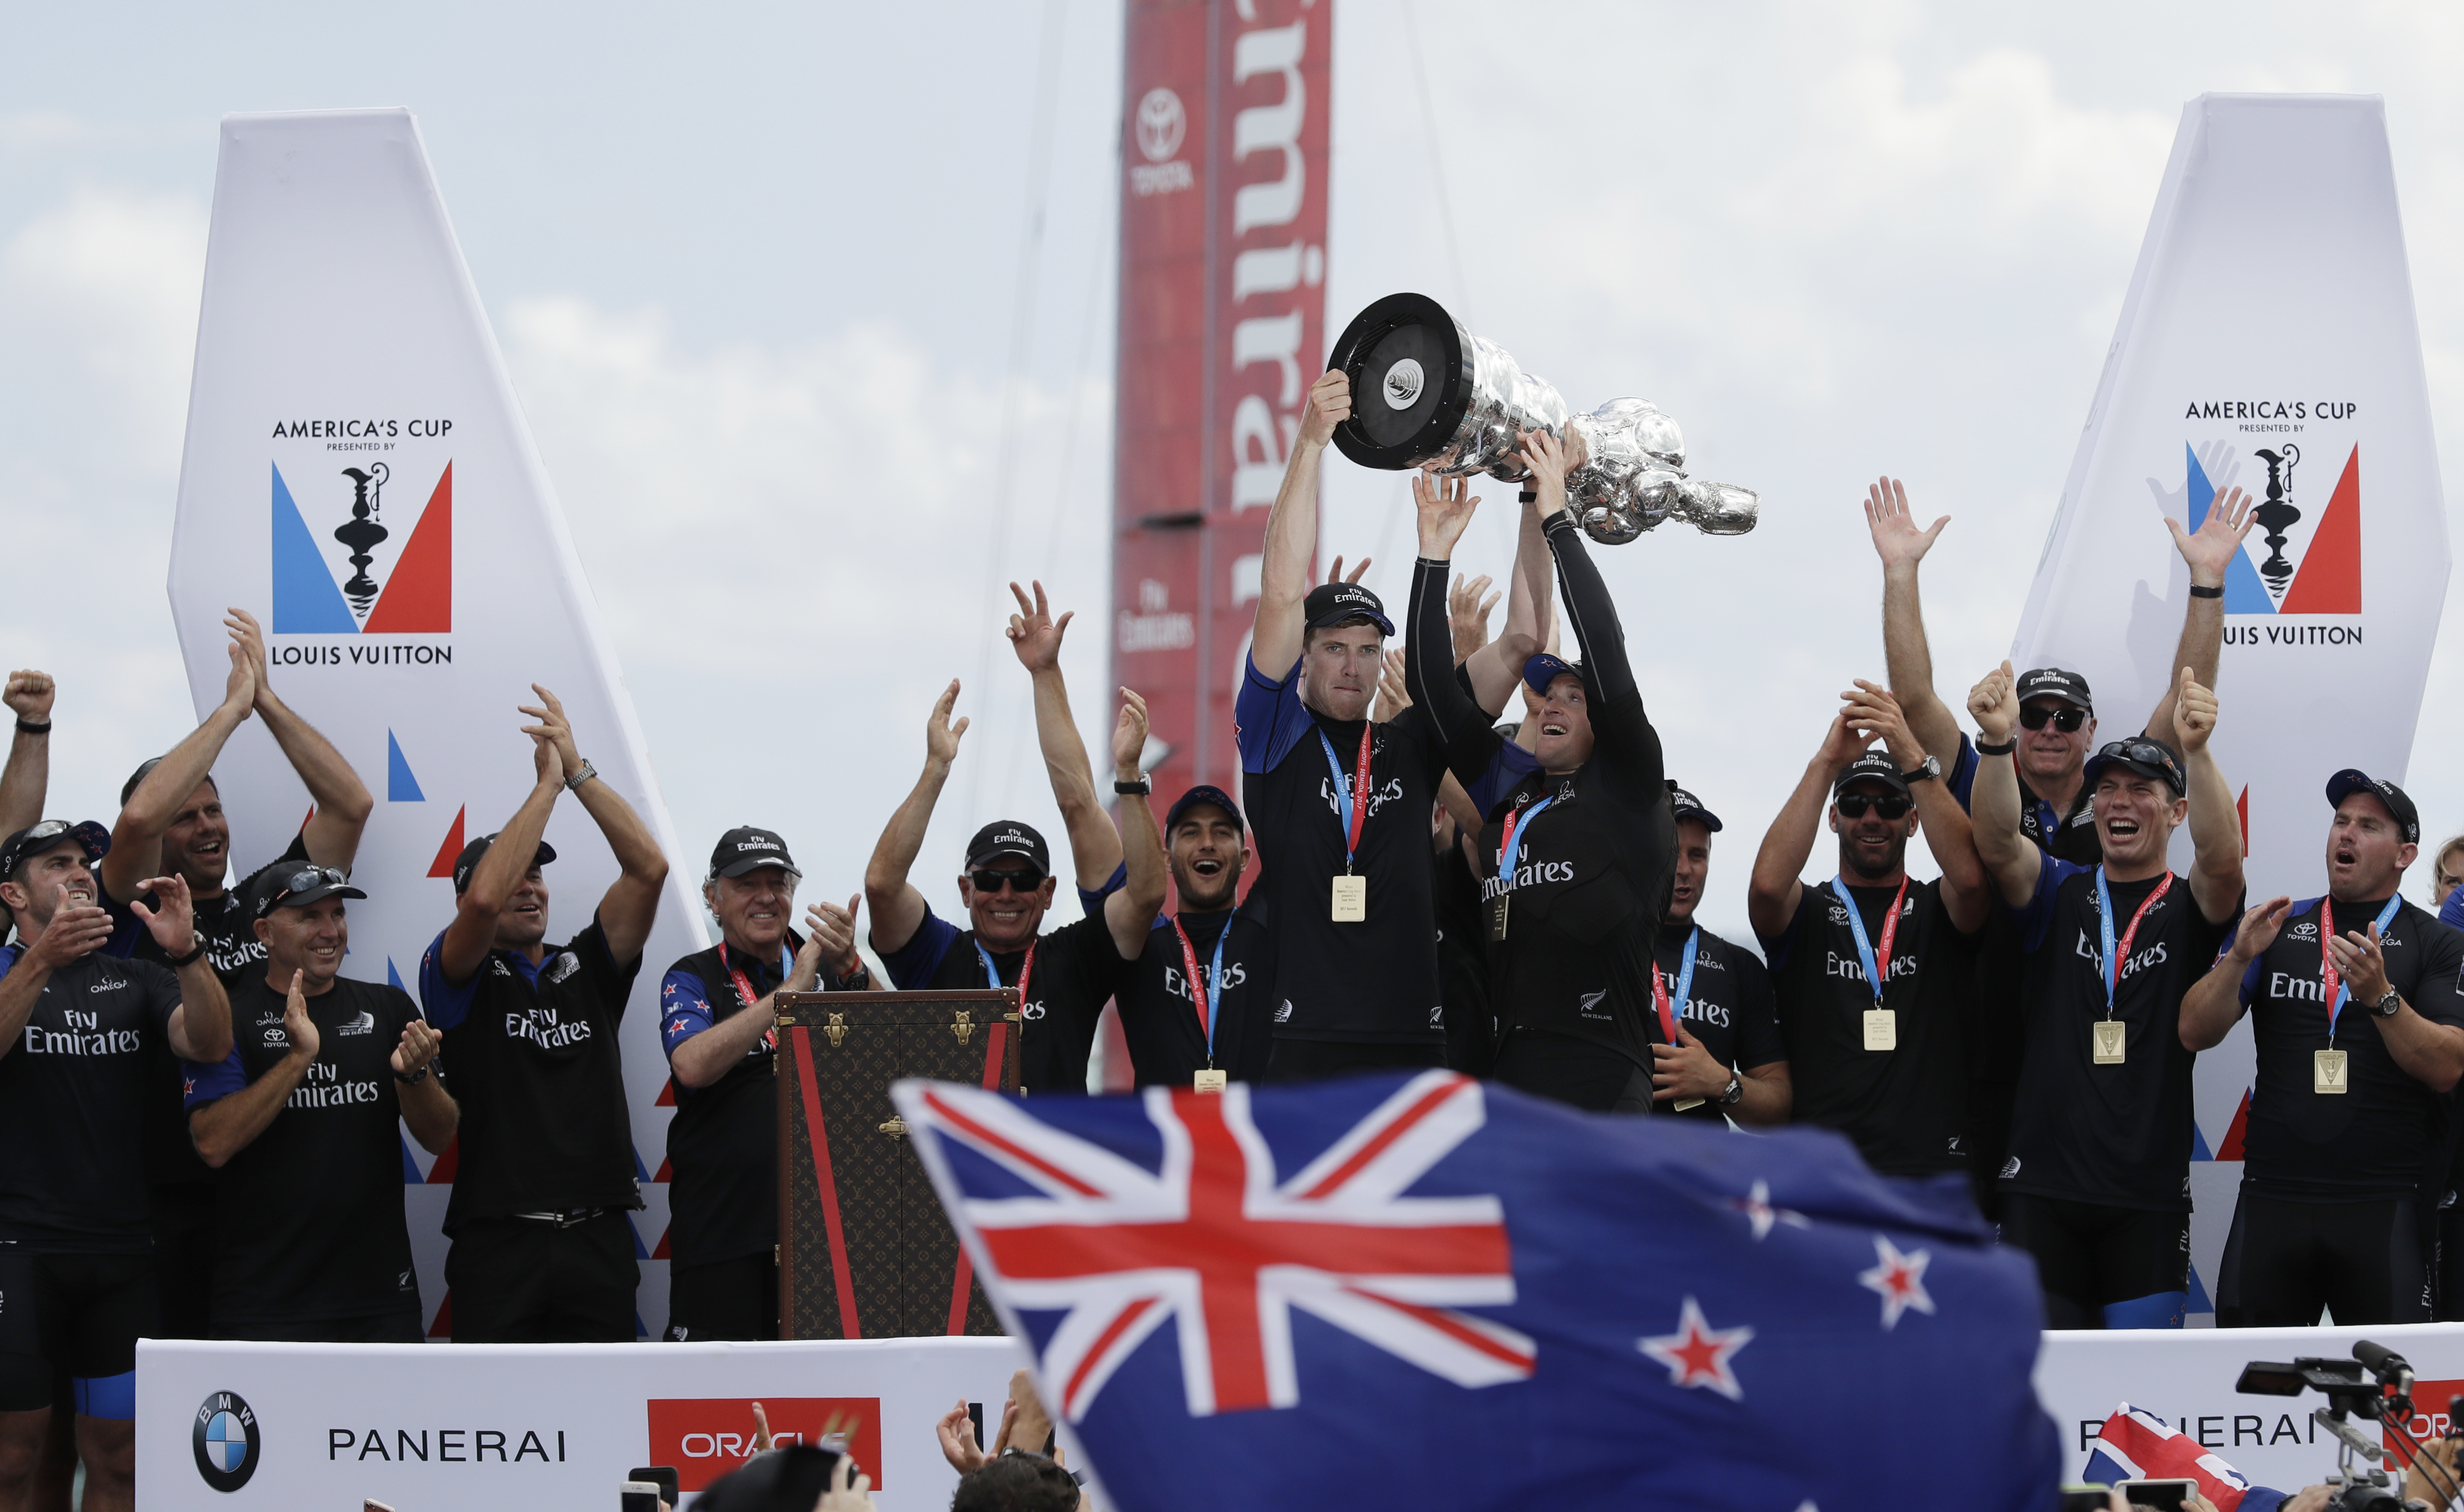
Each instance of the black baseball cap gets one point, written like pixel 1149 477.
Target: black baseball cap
pixel 2052 682
pixel 746 848
pixel 1874 766
pixel 35 839
pixel 128 789
pixel 2348 782
pixel 296 885
pixel 1203 793
pixel 1544 669
pixel 1689 806
pixel 1007 837
pixel 2144 755
pixel 468 862
pixel 1333 603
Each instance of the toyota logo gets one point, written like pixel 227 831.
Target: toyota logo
pixel 1161 122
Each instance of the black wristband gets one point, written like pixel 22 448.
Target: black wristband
pixel 1142 788
pixel 190 959
pixel 2004 749
pixel 25 728
pixel 1527 497
pixel 2197 592
pixel 411 1078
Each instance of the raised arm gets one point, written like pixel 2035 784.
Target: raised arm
pixel 1772 894
pixel 1967 895
pixel 229 1125
pixel 1617 702
pixel 1131 910
pixel 472 934
pixel 1496 667
pixel 2216 821
pixel 200 1026
pixel 427 1108
pixel 76 929
pixel 136 835
pixel 2213 1004
pixel 1441 506
pixel 1094 844
pixel 2426 1050
pixel 342 801
pixel 1468 606
pixel 898 909
pixel 1901 545
pixel 2010 858
pixel 2207 552
pixel 1291 534
pixel 631 902
pixel 26 779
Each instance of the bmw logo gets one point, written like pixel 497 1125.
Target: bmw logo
pixel 225 1438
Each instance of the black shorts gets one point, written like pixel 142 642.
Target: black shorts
pixel 1316 1060
pixel 77 1314
pixel 2447 1262
pixel 1574 1071
pixel 522 1280
pixel 396 1326
pixel 2285 1261
pixel 2091 1256
pixel 729 1299
pixel 183 1217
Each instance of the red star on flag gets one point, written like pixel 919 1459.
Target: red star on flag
pixel 1900 1280
pixel 1697 1354
pixel 1756 1206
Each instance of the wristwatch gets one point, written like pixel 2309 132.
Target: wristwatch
pixel 411 1078
pixel 2386 1006
pixel 573 783
pixel 1736 1093
pixel 1931 767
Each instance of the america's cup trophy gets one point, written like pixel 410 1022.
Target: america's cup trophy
pixel 1426 391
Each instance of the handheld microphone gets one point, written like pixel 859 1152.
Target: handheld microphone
pixel 2388 1366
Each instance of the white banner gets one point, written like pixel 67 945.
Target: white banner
pixel 2268 340
pixel 343 359
pixel 517 1428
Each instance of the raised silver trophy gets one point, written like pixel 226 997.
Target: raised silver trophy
pixel 1426 391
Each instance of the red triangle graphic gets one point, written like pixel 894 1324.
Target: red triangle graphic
pixel 441 1174
pixel 2242 808
pixel 446 854
pixel 442 1327
pixel 2237 1134
pixel 2330 579
pixel 418 598
pixel 666 1098
pixel 661 1253
pixel 667 1171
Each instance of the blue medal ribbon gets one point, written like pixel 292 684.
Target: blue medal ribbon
pixel 2327 962
pixel 1856 927
pixel 1518 828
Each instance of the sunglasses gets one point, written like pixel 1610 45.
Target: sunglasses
pixel 1027 881
pixel 1853 805
pixel 307 877
pixel 2067 718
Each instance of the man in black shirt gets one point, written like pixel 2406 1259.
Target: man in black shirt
pixel 1195 1003
pixel 2096 1181
pixel 2358 1011
pixel 171 818
pixel 1721 1055
pixel 717 1017
pixel 1887 1066
pixel 1339 805
pixel 542 1250
pixel 300 1123
pixel 77 1261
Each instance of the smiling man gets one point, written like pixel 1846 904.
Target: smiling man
pixel 1196 1002
pixel 1727 1058
pixel 2358 1013
pixel 2096 1184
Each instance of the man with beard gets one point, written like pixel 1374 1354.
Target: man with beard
pixel 299 1123
pixel 1727 1057
pixel 2096 1185
pixel 1875 972
pixel 1195 1000
pixel 172 817
pixel 717 1010
pixel 542 1250
pixel 2358 1014
pixel 77 1249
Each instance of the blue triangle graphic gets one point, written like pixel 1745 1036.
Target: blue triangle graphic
pixel 305 600
pixel 411 1176
pixel 2199 1143
pixel 401 787
pixel 2244 592
pixel 393 978
pixel 641 1171
pixel 639 1251
pixel 2199 1302
pixel 639 1332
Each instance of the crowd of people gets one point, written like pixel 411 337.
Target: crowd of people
pixel 1516 900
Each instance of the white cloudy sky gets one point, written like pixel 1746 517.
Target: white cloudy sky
pixel 755 269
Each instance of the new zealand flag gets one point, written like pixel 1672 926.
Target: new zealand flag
pixel 1431 1292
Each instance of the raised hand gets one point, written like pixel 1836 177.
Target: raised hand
pixel 1033 633
pixel 250 638
pixel 1467 613
pixel 2259 929
pixel 829 935
pixel 1335 574
pixel 1330 405
pixel 760 1430
pixel 850 1490
pixel 1393 695
pixel 2361 962
pixel 2210 550
pixel 419 1046
pixel 1445 506
pixel 941 735
pixel 551 728
pixel 296 1026
pixel 29 695
pixel 1130 733
pixel 1896 536
pixel 1874 713
pixel 77 929
pixel 239 687
pixel 1841 744
pixel 2195 712
pixel 1993 703
pixel 172 921
pixel 1547 458
pixel 1034 1425
pixel 957 1437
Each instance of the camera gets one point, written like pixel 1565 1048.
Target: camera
pixel 2376 1386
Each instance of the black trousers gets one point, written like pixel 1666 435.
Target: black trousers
pixel 729 1299
pixel 2285 1261
pixel 1574 1071
pixel 520 1280
pixel 2090 1256
pixel 396 1326
pixel 182 1218
pixel 1316 1060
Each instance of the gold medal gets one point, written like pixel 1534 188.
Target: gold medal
pixel 1497 915
pixel 1210 1080
pixel 2110 1034
pixel 2327 1072
pixel 1881 1029
pixel 1684 1102
pixel 1350 899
